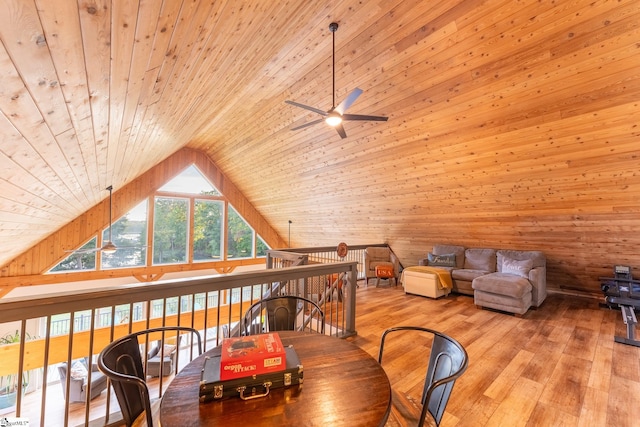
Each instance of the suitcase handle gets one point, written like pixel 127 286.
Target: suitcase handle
pixel 266 386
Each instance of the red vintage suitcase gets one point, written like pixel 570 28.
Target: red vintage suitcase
pixel 212 388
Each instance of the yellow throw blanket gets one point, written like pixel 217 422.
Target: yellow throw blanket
pixel 444 276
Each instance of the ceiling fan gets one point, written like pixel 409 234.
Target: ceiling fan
pixel 108 247
pixel 336 115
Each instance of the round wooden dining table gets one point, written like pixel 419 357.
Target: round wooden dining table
pixel 343 386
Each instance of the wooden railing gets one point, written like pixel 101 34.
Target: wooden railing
pixel 322 254
pixel 211 304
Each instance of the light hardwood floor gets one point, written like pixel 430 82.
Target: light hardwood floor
pixel 556 366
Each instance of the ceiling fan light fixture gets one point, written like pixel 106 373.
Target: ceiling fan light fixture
pixel 109 248
pixel 336 115
pixel 333 120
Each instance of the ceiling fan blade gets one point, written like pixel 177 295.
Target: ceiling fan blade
pixel 84 251
pixel 363 117
pixel 314 122
pixel 340 130
pixel 306 107
pixel 350 99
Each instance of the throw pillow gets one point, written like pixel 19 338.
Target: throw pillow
pixel 446 260
pixel 78 370
pixel 519 268
pixel 168 349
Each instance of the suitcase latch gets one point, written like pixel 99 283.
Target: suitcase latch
pixel 217 392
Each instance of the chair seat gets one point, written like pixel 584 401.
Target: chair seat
pixel 405 411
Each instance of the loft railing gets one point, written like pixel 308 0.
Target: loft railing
pixel 69 327
pixel 323 254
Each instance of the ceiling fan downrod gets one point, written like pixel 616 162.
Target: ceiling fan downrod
pixel 333 27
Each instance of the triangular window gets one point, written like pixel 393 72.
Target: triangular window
pixel 261 247
pixel 190 181
pixel 82 259
pixel 129 234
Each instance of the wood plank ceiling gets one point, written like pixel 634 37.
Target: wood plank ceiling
pixel 511 123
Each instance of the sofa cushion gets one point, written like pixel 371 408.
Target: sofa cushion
pixel 537 258
pixel 78 370
pixel 519 268
pixel 466 274
pixel 503 284
pixel 480 259
pixel 502 302
pixel 458 251
pixel 444 260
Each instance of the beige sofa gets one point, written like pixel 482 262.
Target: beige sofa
pixel 503 279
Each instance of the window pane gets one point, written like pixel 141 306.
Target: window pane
pixel 129 234
pixel 239 236
pixel 261 247
pixel 170 230
pixel 79 260
pixel 207 230
pixel 190 181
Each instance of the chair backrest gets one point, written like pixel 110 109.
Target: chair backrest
pixel 447 362
pixel 121 362
pixel 378 253
pixel 283 313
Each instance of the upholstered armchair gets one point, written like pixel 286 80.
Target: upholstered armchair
pixel 379 255
pixel 168 361
pixel 78 382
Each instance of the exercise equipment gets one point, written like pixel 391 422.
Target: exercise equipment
pixel 623 292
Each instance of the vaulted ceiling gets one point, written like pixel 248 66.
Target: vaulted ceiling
pixel 511 124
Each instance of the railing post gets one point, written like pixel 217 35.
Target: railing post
pixel 350 301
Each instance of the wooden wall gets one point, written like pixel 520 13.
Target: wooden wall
pixel 512 124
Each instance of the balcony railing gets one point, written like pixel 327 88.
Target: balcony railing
pixel 65 327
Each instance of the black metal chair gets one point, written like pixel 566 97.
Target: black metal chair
pixel 283 313
pixel 121 362
pixel 447 362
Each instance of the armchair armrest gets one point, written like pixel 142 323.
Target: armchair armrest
pixel 154 352
pixel 396 264
pixel 538 279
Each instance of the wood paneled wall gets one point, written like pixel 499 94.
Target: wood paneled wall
pixel 511 125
